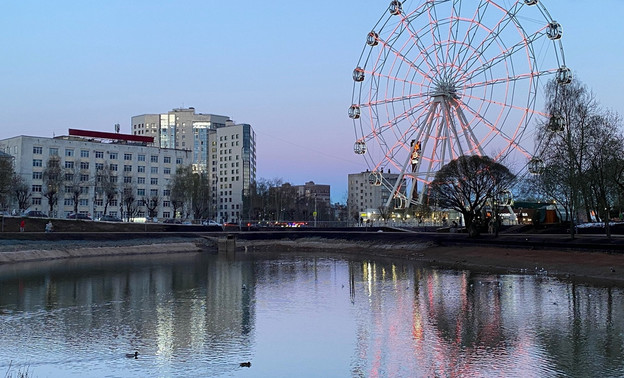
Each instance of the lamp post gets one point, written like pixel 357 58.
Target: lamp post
pixel 315 213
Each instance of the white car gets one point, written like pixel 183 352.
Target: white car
pixel 210 222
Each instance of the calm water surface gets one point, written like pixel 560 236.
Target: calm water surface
pixel 300 315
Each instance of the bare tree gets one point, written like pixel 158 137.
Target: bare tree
pixel 6 179
pixel 52 181
pixel 151 204
pixel 467 183
pixel 21 192
pixel 129 201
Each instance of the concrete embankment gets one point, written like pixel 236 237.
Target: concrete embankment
pixel 588 257
pixel 36 247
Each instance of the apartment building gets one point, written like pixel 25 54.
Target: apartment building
pixel 218 146
pixel 365 197
pixel 132 162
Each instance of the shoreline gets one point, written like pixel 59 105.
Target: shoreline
pixel 596 267
pixel 600 265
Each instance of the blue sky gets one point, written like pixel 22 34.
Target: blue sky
pixel 282 66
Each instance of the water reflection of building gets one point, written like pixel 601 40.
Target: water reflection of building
pixel 164 307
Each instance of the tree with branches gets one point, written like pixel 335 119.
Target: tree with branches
pixel 52 181
pixel 467 183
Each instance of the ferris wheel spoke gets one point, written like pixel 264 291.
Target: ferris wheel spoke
pixel 402 57
pixel 419 108
pixel 385 101
pixel 434 30
pixel 494 35
pixel 504 80
pixel 454 32
pixel 416 39
pixel 471 34
pixel 500 58
pixel 507 105
pixel 510 140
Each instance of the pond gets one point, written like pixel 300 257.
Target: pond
pixel 300 314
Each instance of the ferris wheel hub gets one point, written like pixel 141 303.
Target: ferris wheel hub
pixel 446 88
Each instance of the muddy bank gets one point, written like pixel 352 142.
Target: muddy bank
pixel 597 266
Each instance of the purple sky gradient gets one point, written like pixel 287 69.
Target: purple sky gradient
pixel 282 66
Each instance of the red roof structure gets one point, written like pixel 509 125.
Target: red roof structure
pixel 112 136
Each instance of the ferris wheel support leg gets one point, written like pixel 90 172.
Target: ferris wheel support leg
pixel 449 120
pixel 395 190
pixel 469 134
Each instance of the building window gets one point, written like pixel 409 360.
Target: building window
pixel 113 179
pixel 153 192
pixel 84 165
pixel 166 204
pixel 113 167
pixel 154 170
pixel 99 166
pixel 167 171
pixel 166 214
pixel 127 156
pixel 83 202
pixel 113 155
pixel 141 157
pixel 167 160
pixel 84 190
pixel 99 154
pixel 141 169
pixel 69 189
pixel 154 181
pixel 36 200
pixel 140 180
pixel 37 175
pixel 84 178
pixel 154 158
pixel 84 153
pixel 140 192
pixel 69 177
pixel 53 151
pixel 36 189
pixel 37 163
pixel 69 164
pixel 179 161
pixel 113 202
pixel 127 179
pixel 69 152
pixel 99 202
pixel 37 150
pixel 127 168
pixel 166 192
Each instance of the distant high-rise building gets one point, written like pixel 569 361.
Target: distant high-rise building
pixel 220 147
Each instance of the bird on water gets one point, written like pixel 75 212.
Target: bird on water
pixel 134 355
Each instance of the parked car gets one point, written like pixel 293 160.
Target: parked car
pixel 109 218
pixel 35 214
pixel 78 216
pixel 210 222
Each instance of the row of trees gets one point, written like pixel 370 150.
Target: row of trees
pixel 581 165
pixel 276 200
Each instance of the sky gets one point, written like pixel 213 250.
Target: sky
pixel 282 66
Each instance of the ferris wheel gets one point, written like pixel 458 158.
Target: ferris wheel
pixel 438 79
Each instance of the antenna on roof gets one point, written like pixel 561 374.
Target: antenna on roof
pixel 117 128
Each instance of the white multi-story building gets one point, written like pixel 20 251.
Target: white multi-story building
pixel 220 147
pixel 365 198
pixel 133 164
